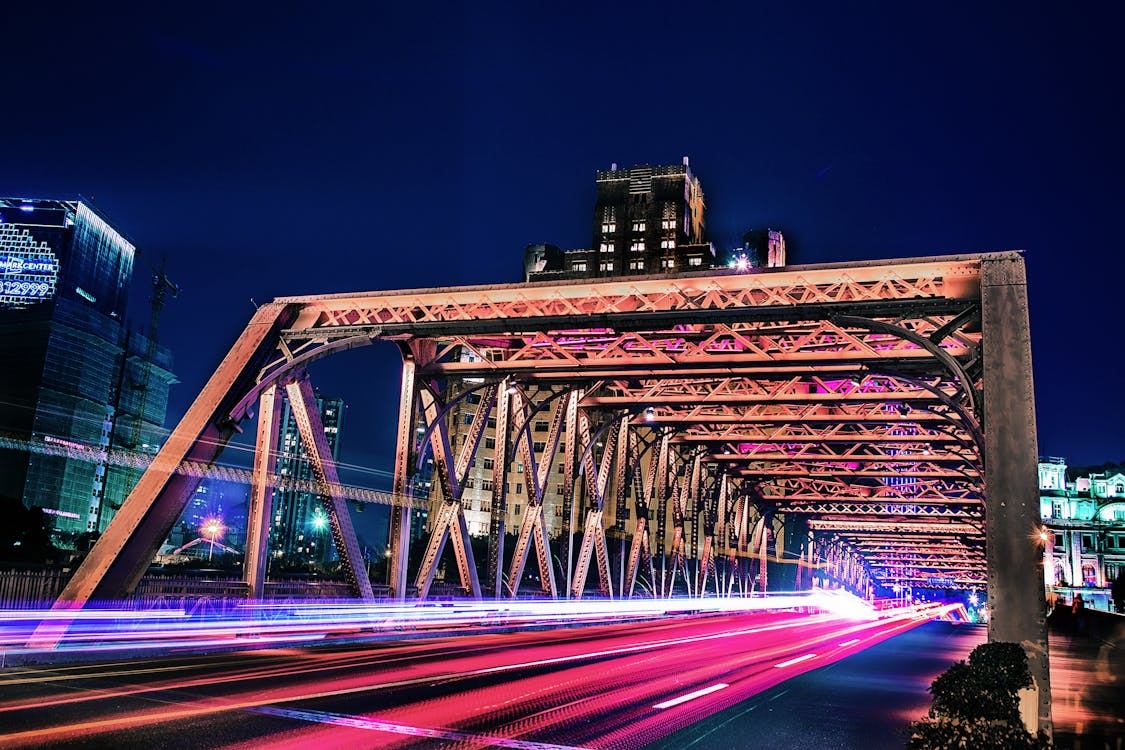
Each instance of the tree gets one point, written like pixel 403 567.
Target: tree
pixel 976 705
pixel 24 535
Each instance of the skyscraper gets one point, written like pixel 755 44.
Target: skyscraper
pixel 300 525
pixel 73 373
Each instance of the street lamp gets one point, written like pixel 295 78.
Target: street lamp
pixel 212 526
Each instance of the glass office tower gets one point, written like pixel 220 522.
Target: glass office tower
pixel 73 375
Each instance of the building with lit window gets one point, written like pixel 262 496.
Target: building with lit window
pixel 77 384
pixel 1084 536
pixel 646 220
pixel 300 529
pixel 650 220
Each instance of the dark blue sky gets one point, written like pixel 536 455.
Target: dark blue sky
pixel 303 148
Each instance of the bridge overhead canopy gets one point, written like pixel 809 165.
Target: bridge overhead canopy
pixel 846 394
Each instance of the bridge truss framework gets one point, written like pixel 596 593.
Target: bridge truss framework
pixel 874 420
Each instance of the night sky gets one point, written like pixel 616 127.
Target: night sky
pixel 289 149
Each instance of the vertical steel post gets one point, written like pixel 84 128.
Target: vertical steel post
pixel 622 471
pixel 1012 520
pixel 261 493
pixel 403 501
pixel 570 467
pixel 496 531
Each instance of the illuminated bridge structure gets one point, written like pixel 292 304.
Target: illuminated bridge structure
pixel 874 420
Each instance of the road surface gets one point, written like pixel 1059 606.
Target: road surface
pixel 620 686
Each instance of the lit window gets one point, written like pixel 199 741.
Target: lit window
pixel 578 265
pixel 667 244
pixel 636 265
pixel 609 220
pixel 667 262
pixel 606 247
pixel 638 226
pixel 637 246
pixel 605 266
pixel 668 224
pixel 695 261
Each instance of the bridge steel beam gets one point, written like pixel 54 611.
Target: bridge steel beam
pixel 302 401
pixel 401 487
pixel 260 517
pixel 1015 559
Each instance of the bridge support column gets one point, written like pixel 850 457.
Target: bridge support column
pixel 261 493
pixel 497 527
pixel 399 538
pixel 1015 576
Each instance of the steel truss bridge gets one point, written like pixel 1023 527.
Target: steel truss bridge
pixel 874 421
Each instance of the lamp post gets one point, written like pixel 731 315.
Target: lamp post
pixel 212 527
pixel 319 523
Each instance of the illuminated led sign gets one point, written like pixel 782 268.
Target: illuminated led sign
pixel 29 271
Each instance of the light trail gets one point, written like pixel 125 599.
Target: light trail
pixel 691 696
pixel 113 630
pixel 797 660
pixel 593 671
pixel 343 720
pixel 95 454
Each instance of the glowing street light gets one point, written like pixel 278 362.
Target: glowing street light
pixel 212 526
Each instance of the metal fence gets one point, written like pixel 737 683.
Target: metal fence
pixel 30 588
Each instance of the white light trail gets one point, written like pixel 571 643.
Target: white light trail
pixel 391 727
pixel 691 696
pixel 798 660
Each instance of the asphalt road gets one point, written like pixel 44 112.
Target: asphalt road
pixel 864 701
pixel 620 686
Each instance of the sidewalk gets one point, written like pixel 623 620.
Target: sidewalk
pixel 1088 681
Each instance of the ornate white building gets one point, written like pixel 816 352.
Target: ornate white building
pixel 1084 537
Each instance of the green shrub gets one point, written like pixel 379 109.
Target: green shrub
pixel 972 734
pixel 976 704
pixel 1003 663
pixel 965 692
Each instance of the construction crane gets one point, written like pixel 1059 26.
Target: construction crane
pixel 161 287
